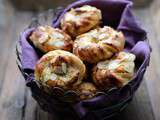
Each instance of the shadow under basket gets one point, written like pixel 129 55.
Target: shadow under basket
pixel 66 103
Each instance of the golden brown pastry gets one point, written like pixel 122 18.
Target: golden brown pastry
pixel 47 38
pixel 86 90
pixel 80 20
pixel 115 72
pixel 59 68
pixel 98 44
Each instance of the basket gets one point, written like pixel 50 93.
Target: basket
pixel 66 103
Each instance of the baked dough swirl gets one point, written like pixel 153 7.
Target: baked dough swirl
pixel 47 38
pixel 115 72
pixel 59 68
pixel 80 20
pixel 98 44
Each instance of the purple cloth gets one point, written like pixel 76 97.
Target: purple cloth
pixel 29 55
pixel 118 14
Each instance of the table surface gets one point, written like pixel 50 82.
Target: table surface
pixel 16 102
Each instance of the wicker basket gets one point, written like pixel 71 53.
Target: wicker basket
pixel 108 103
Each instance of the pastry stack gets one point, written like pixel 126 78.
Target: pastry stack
pixel 82 55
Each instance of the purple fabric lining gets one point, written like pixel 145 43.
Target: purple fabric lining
pixel 29 55
pixel 118 14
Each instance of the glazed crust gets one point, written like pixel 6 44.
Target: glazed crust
pixel 98 44
pixel 115 72
pixel 47 38
pixel 59 68
pixel 80 20
pixel 86 90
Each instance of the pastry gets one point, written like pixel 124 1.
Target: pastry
pixel 47 38
pixel 59 68
pixel 80 20
pixel 115 72
pixel 98 44
pixel 86 90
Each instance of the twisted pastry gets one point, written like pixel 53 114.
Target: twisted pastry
pixel 80 20
pixel 59 68
pixel 115 72
pixel 98 44
pixel 47 38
